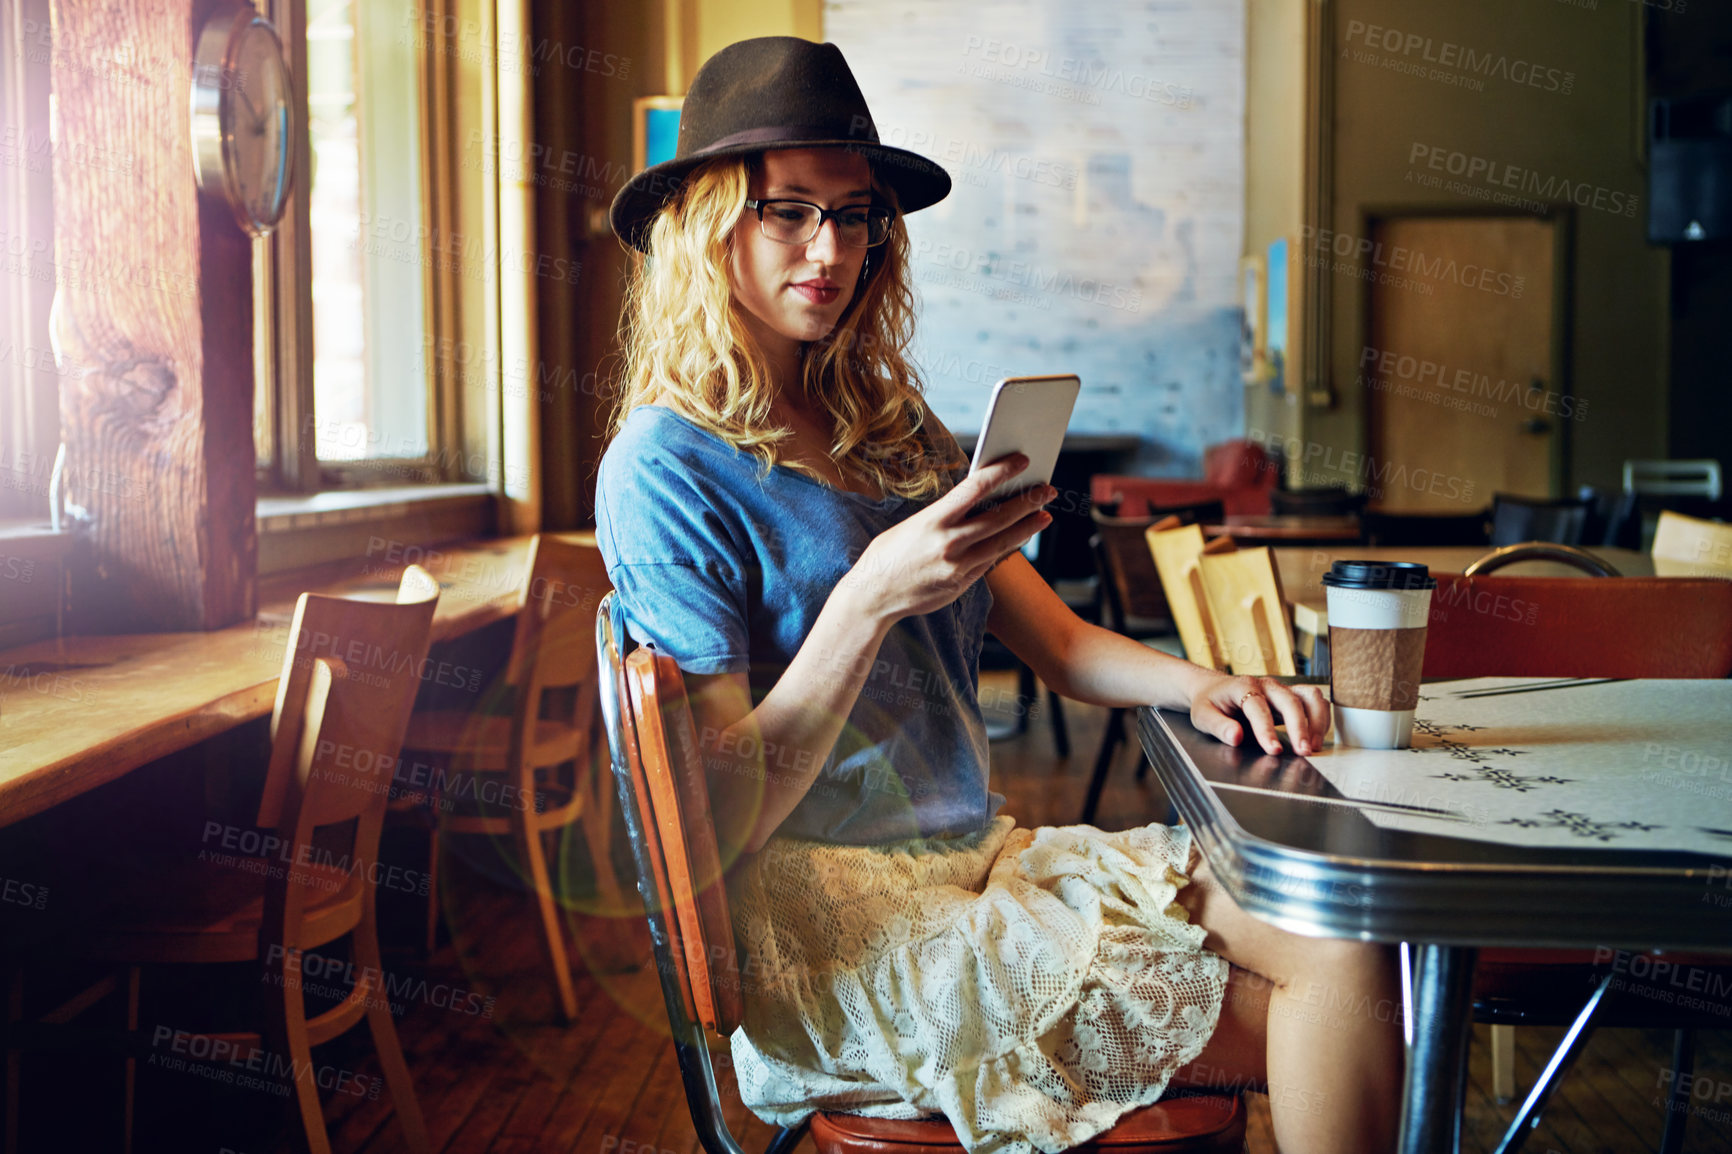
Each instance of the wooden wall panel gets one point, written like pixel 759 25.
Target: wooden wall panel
pixel 155 299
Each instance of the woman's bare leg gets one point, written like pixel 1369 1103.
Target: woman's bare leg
pixel 1237 1054
pixel 1327 1013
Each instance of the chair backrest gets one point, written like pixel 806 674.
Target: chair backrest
pixel 553 649
pixel 1699 478
pixel 1692 546
pixel 339 733
pixel 666 898
pixel 1579 627
pixel 1175 550
pixel 668 791
pixel 1127 571
pixel 1515 519
pixel 564 582
pixel 1244 591
pixel 1425 528
pixel 673 769
pixel 375 643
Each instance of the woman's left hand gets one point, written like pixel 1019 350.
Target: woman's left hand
pixel 1225 705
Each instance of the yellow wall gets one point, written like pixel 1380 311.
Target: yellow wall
pixel 701 28
pixel 721 22
pixel 1618 290
pixel 1274 167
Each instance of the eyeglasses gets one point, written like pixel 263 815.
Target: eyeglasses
pixel 797 222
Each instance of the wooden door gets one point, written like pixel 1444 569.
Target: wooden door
pixel 1459 360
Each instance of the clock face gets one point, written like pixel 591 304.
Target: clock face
pixel 258 126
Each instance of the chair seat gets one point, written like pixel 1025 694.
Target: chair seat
pixel 484 740
pixel 1208 1122
pixel 201 912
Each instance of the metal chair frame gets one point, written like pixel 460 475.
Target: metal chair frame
pixel 1691 478
pixel 1541 551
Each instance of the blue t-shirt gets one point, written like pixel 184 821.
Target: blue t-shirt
pixel 725 567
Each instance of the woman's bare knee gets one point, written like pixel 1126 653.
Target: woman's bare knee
pixel 1234 934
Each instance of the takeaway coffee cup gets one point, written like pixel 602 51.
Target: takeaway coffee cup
pixel 1377 616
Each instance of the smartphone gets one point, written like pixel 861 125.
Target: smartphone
pixel 1026 415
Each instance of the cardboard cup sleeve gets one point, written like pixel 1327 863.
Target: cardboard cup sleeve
pixel 1376 668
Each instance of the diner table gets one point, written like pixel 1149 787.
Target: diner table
pixel 79 711
pixel 1523 816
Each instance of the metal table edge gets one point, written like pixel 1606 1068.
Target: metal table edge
pixel 1319 894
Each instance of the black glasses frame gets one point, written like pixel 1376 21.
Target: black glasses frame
pixel 825 214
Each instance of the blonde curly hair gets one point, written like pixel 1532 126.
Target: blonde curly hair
pixel 687 347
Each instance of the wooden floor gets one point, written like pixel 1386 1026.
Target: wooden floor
pixel 502 1077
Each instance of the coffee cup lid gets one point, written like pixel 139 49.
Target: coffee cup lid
pixel 1394 575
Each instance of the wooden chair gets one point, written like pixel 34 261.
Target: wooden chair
pixel 1690 546
pixel 1245 598
pixel 1176 549
pixel 350 675
pixel 1132 604
pixel 551 675
pixel 1132 599
pixel 665 799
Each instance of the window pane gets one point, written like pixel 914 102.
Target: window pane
pixel 264 363
pixel 369 392
pixel 29 376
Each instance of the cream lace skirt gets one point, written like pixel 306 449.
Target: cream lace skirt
pixel 1033 985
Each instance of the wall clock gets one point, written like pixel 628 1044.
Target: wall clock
pixel 243 117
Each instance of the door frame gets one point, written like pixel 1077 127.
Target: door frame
pixel 1562 218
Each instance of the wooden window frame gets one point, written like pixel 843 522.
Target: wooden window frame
pixel 462 418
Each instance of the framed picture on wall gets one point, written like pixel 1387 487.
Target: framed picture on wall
pixel 1278 313
pixel 655 129
pixel 1253 330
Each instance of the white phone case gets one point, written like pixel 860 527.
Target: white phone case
pixel 1026 415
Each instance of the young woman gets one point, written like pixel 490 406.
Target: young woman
pixel 781 512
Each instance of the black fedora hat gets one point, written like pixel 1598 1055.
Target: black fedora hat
pixel 769 93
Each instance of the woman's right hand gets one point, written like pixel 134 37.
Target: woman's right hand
pixel 932 558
